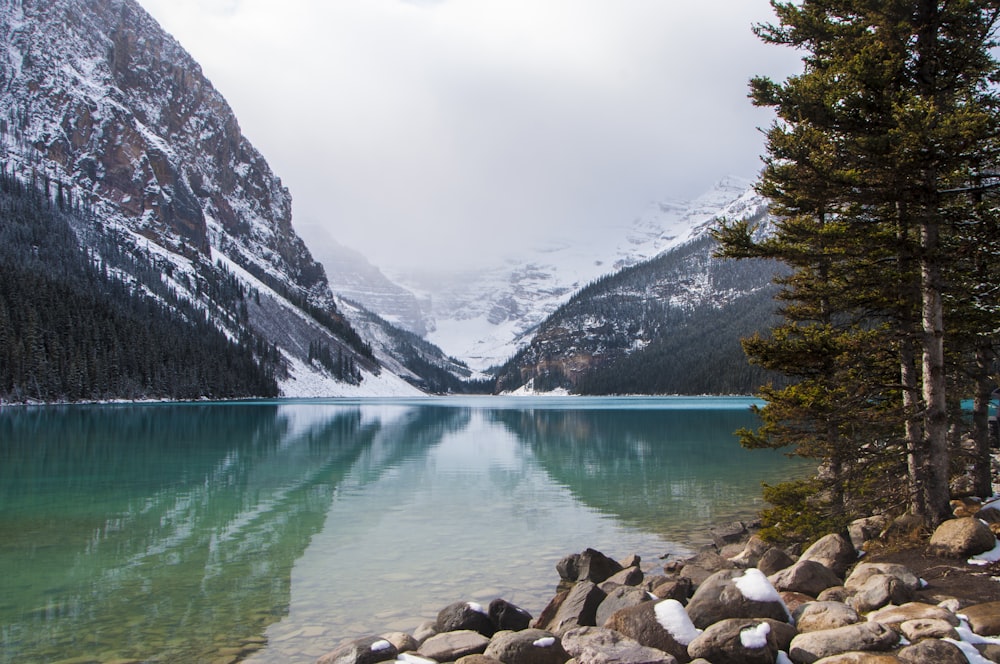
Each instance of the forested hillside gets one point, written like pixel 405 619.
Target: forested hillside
pixel 99 323
pixel 671 325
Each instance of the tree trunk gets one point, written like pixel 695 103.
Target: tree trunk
pixel 935 468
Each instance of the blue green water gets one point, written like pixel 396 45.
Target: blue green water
pixel 271 531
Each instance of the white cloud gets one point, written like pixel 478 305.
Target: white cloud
pixel 415 129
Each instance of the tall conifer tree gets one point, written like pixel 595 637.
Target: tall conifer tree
pixel 872 166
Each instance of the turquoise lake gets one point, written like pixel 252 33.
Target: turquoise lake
pixel 272 531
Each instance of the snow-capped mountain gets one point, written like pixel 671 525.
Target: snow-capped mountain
pixel 484 317
pixel 671 324
pixel 99 104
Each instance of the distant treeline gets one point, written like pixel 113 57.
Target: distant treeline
pixel 99 323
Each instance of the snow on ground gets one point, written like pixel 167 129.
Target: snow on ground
pixel 306 382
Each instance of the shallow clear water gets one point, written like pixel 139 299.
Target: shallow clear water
pixel 272 531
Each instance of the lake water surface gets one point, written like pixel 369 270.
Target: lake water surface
pixel 272 531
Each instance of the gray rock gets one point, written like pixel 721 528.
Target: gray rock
pixel 595 567
pixel 866 637
pixel 424 631
pixel 568 567
pixel 529 646
pixel 620 598
pixel 893 616
pixel 774 560
pixel 598 645
pixel 630 576
pixel 921 629
pixel 462 616
pixel 740 641
pixel 403 641
pixel 834 552
pixel 723 596
pixel 806 576
pixel 679 589
pixel 703 565
pixel 865 530
pixel 860 658
pixel 938 652
pixel 752 552
pixel 878 591
pixel 961 538
pixel 864 571
pixel 819 616
pixel 368 650
pixel 449 646
pixel 728 534
pixel 984 619
pixel 648 624
pixel 578 609
pixel 508 616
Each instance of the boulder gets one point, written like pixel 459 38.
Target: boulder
pixel 921 629
pixel 834 552
pixel 424 631
pixel 864 530
pixel 878 591
pixel 728 534
pixel 630 576
pixel 894 616
pixel 529 646
pixel 463 616
pixel 819 616
pixel 961 538
pixel 450 646
pixel 703 565
pixel 774 560
pixel 864 571
pixel 477 659
pixel 932 650
pixel 679 589
pixel 860 658
pixel 403 641
pixel 735 594
pixel 598 645
pixel 835 594
pixel 984 619
pixel 620 598
pixel 874 585
pixel 740 640
pixel 752 552
pixel 505 615
pixel 595 567
pixel 568 567
pixel 864 637
pixel 794 600
pixel 663 625
pixel 577 609
pixel 806 576
pixel 367 650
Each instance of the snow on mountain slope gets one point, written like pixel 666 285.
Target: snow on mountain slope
pixel 484 317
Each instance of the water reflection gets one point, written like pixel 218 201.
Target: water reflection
pixel 271 531
pixel 140 531
pixel 673 472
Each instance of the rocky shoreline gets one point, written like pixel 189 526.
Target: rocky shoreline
pixel 865 598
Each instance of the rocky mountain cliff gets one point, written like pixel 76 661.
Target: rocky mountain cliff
pixel 483 317
pixel 102 109
pixel 668 325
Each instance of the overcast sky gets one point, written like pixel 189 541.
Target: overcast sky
pixel 453 130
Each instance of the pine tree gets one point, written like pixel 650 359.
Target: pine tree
pixel 870 166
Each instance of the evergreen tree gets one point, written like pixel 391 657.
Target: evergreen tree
pixel 873 165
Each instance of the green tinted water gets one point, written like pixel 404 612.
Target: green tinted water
pixel 273 531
